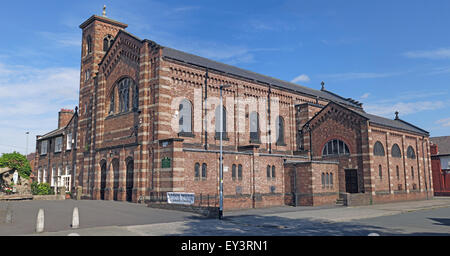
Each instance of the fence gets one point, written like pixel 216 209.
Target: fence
pixel 201 200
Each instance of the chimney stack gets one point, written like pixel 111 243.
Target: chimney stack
pixel 64 117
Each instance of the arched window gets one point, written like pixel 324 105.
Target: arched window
pixel 396 152
pixel 398 173
pixel 254 127
pixel 412 172
pixel 197 171
pixel 280 130
pixel 378 149
pixel 240 172
pixel 323 180
pixel 268 171
pixel 107 42
pixel 204 171
pixel 273 171
pixel 112 100
pixel 135 97
pixel 410 153
pixel 124 94
pixel 88 44
pixel 185 120
pixel 224 124
pixel 331 179
pixel 380 171
pixel 327 181
pixel 233 172
pixel 335 147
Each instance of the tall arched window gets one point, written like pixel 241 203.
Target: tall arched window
pixel 233 172
pixel 323 180
pixel 335 147
pixel 112 100
pixel 224 124
pixel 396 152
pixel 240 172
pixel 124 94
pixel 410 153
pixel 254 127
pixel 397 172
pixel 280 130
pixel 331 179
pixel 204 171
pixel 380 171
pixel 88 44
pixel 185 113
pixel 273 171
pixel 197 171
pixel 135 97
pixel 107 42
pixel 378 149
pixel 412 172
pixel 268 171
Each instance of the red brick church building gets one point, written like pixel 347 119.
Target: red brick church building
pixel 148 121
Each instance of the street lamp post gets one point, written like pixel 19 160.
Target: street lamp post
pixel 26 149
pixel 221 154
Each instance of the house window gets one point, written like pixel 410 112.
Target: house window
pixel 39 175
pixel 335 147
pixel 58 144
pixel 54 178
pixel 44 175
pixel 69 141
pixel 44 147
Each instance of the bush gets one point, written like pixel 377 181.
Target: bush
pixel 16 161
pixel 41 189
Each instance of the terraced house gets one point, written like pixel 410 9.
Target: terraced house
pixel 149 122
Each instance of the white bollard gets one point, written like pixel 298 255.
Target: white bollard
pixel 40 221
pixel 75 218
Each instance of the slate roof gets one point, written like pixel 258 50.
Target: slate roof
pixel 235 71
pixel 52 133
pixel 443 144
pixel 393 123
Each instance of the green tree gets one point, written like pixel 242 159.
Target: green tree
pixel 16 161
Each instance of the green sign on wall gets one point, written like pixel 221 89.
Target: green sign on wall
pixel 165 162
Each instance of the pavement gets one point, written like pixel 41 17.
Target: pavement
pixel 382 219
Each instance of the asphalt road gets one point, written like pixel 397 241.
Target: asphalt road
pixel 58 215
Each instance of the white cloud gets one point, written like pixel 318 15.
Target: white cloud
pixel 441 53
pixel 405 108
pixel 444 122
pixel 301 78
pixel 30 99
pixel 360 75
pixel 365 95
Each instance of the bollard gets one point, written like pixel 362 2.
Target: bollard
pixel 75 218
pixel 40 221
pixel 9 216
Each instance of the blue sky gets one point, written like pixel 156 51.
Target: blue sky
pixel 390 55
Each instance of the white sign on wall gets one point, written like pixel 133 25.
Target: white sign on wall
pixel 180 198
